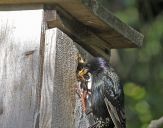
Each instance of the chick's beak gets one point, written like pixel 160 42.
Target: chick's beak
pixel 83 72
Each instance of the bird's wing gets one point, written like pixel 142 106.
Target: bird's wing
pixel 113 103
pixel 113 113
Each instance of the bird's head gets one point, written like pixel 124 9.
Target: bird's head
pixel 96 65
pixel 93 66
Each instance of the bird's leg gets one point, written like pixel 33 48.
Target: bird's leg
pixel 84 100
pixel 83 87
pixel 83 95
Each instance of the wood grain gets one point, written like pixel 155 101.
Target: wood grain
pixel 60 106
pixel 95 15
pixel 48 79
pixel 59 79
pixel 77 31
pixel 19 67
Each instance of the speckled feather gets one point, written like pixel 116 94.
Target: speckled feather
pixel 106 84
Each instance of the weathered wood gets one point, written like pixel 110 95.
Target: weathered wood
pixel 48 79
pixel 20 33
pixel 60 108
pixel 122 35
pixel 65 82
pixel 77 31
pixel 96 16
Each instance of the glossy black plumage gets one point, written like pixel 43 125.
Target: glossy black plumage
pixel 107 98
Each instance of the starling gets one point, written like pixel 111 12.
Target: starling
pixel 106 98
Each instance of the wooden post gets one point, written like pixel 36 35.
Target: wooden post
pixel 19 66
pixel 59 109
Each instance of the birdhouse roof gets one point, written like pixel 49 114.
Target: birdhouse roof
pixel 101 26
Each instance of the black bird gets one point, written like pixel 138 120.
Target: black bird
pixel 107 98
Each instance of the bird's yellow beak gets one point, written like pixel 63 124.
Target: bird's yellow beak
pixel 83 72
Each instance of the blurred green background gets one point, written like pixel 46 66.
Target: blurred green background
pixel 141 70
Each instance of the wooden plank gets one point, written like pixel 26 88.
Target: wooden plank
pixel 19 67
pixel 60 107
pixel 127 33
pixel 79 32
pixel 65 81
pixel 97 17
pixel 48 79
pixel 57 100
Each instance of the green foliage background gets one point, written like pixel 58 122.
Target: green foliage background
pixel 141 69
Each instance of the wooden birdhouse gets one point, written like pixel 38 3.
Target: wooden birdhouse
pixel 39 44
